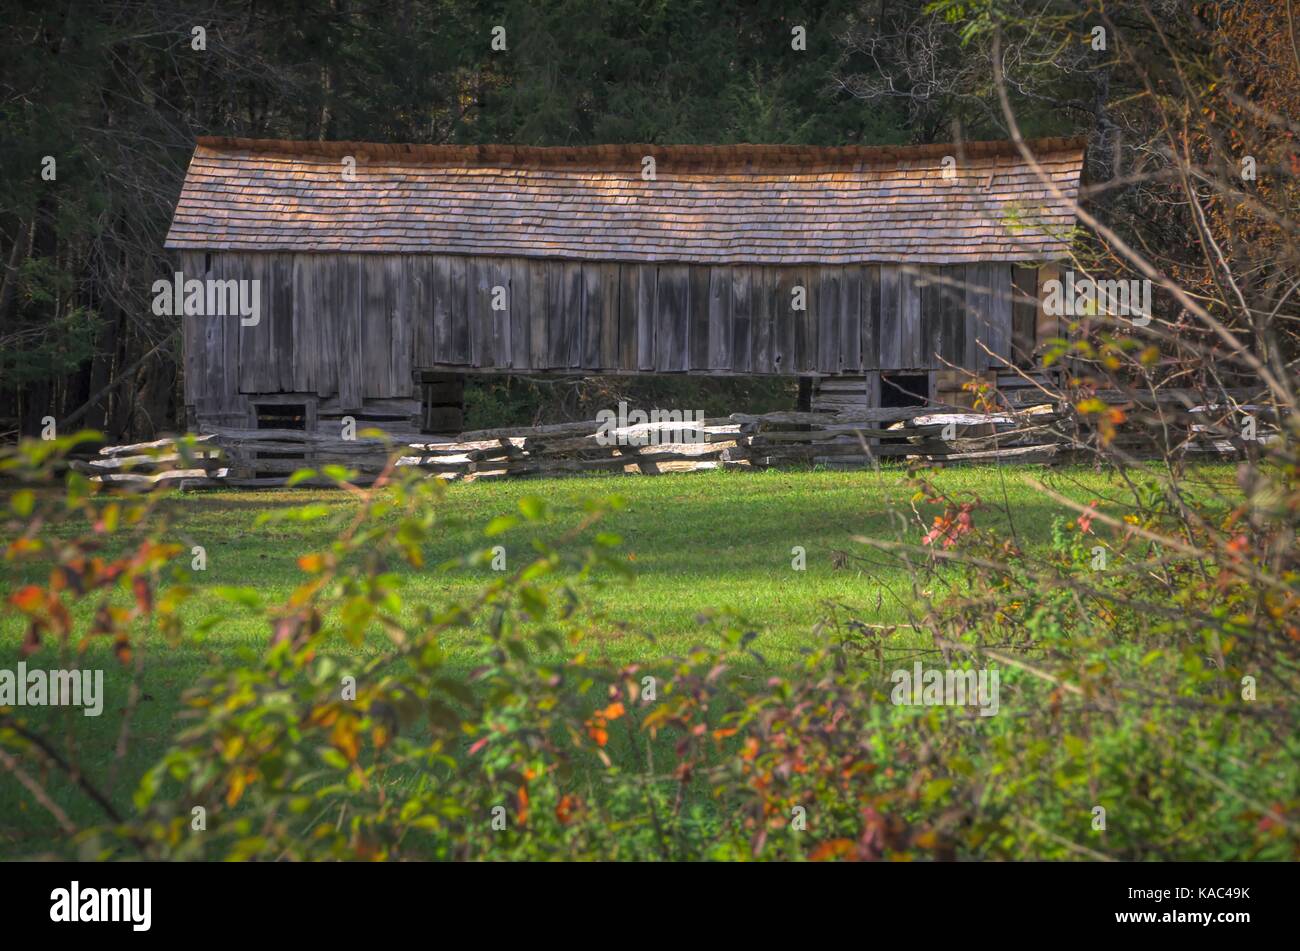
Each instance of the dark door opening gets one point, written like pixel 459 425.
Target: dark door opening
pixel 901 390
pixel 904 389
pixel 279 416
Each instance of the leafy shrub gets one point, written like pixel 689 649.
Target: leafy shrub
pixel 540 751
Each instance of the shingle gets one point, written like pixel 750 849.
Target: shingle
pixel 739 204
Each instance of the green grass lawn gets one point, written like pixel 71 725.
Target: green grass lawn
pixel 695 543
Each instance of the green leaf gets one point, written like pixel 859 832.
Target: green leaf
pixel 533 508
pixel 502 523
pixel 245 597
pixel 935 790
pixel 334 758
pixel 339 473
pixel 22 502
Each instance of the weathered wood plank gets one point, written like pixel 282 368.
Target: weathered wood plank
pixel 458 310
pixel 538 326
pixel 378 305
pixel 499 304
pixel 629 282
pixel 230 397
pixel 785 321
pixel 349 279
pixel 404 303
pixel 557 298
pixel 481 317
pixel 741 318
pixel 870 317
pixel 952 339
pixel 673 301
pixel 803 306
pixel 193 353
pixel 419 270
pixel 698 319
pixel 1000 311
pixel 890 320
pixel 520 314
pixel 646 307
pixel 609 322
pixel 912 350
pixel 306 325
pixel 254 341
pixel 281 302
pixel 314 327
pixel 850 320
pixel 978 296
pixel 1048 326
pixel 931 310
pixel 575 292
pixel 593 315
pixel 1024 315
pixel 828 318
pixel 439 312
pixel 720 281
pixel 210 334
pixel 761 295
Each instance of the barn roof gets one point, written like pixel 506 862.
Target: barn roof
pixel 738 204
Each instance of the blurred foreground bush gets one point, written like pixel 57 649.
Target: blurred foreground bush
pixel 1120 689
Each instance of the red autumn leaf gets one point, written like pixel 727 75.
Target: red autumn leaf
pixel 566 807
pixel 27 599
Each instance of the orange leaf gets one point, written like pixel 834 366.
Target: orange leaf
pixel 566 807
pixel 521 815
pixel 27 599
pixel 613 711
pixel 832 849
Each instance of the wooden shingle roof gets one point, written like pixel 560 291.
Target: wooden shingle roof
pixel 742 204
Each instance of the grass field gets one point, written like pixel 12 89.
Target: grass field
pixel 694 542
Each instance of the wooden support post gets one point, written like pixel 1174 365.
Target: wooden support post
pixel 442 403
pixel 805 394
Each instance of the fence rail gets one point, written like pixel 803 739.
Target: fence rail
pixel 853 436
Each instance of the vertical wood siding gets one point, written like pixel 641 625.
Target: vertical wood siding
pixel 355 327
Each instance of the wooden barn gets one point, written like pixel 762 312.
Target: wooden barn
pixel 388 273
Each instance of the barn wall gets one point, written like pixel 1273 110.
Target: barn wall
pixel 353 327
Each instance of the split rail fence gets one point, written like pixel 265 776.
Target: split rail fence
pixel 852 437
